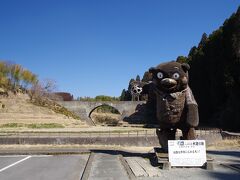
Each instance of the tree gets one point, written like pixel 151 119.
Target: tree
pixel 130 84
pixel 138 78
pixel 49 85
pixel 15 74
pixel 28 78
pixel 123 95
pixel 193 51
pixel 203 40
pixel 182 59
pixel 4 70
pixel 214 75
pixel 147 77
pixel 43 90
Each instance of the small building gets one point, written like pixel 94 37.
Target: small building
pixel 65 96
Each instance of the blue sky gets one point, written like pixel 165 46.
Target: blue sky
pixel 94 47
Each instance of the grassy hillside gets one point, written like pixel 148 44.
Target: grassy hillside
pixel 16 111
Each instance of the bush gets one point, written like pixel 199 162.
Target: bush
pixel 105 119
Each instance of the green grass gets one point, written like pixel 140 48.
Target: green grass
pixel 12 125
pixel 32 126
pixel 48 125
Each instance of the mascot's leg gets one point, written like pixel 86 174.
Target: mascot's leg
pixel 188 133
pixel 164 135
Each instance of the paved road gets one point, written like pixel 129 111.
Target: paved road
pixel 108 165
pixel 42 167
pixel 219 173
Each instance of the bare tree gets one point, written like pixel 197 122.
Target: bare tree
pixel 41 91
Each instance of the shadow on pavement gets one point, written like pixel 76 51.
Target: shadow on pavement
pixel 221 175
pixel 149 156
pixel 235 154
pixel 119 152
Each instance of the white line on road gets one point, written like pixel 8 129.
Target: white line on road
pixel 3 169
pixel 14 156
pixel 40 156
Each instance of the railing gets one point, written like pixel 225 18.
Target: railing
pixel 135 133
pixel 128 133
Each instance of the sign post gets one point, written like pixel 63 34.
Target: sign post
pixel 190 153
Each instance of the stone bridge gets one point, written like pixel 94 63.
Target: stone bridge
pixel 84 108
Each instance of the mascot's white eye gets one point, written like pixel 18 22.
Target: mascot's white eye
pixel 160 75
pixel 176 76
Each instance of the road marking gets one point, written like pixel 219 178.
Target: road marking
pixel 41 156
pixel 14 156
pixel 11 165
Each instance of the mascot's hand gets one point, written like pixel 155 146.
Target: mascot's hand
pixel 192 115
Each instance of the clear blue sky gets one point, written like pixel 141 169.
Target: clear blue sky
pixel 94 47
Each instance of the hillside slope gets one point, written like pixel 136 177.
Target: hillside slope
pixel 18 109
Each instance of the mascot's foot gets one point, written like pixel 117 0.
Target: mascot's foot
pixel 163 136
pixel 189 134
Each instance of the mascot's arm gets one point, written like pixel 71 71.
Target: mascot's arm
pixel 145 88
pixel 192 109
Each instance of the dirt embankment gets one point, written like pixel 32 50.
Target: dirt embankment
pixel 16 111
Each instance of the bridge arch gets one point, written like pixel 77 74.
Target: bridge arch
pixel 84 108
pixel 104 104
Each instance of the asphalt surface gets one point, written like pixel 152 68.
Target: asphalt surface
pixel 107 165
pixel 42 167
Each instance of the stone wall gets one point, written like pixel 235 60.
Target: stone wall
pixel 84 108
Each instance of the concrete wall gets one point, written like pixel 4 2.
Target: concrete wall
pixel 84 108
pixel 125 141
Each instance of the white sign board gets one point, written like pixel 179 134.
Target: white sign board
pixel 187 152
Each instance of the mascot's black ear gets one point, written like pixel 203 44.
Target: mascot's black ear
pixel 152 70
pixel 185 67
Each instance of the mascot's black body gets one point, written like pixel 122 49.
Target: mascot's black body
pixel 174 103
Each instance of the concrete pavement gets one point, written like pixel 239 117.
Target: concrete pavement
pixel 107 165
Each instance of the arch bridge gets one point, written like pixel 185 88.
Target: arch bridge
pixel 84 108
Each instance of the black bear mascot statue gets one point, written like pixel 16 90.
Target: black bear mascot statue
pixel 175 106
